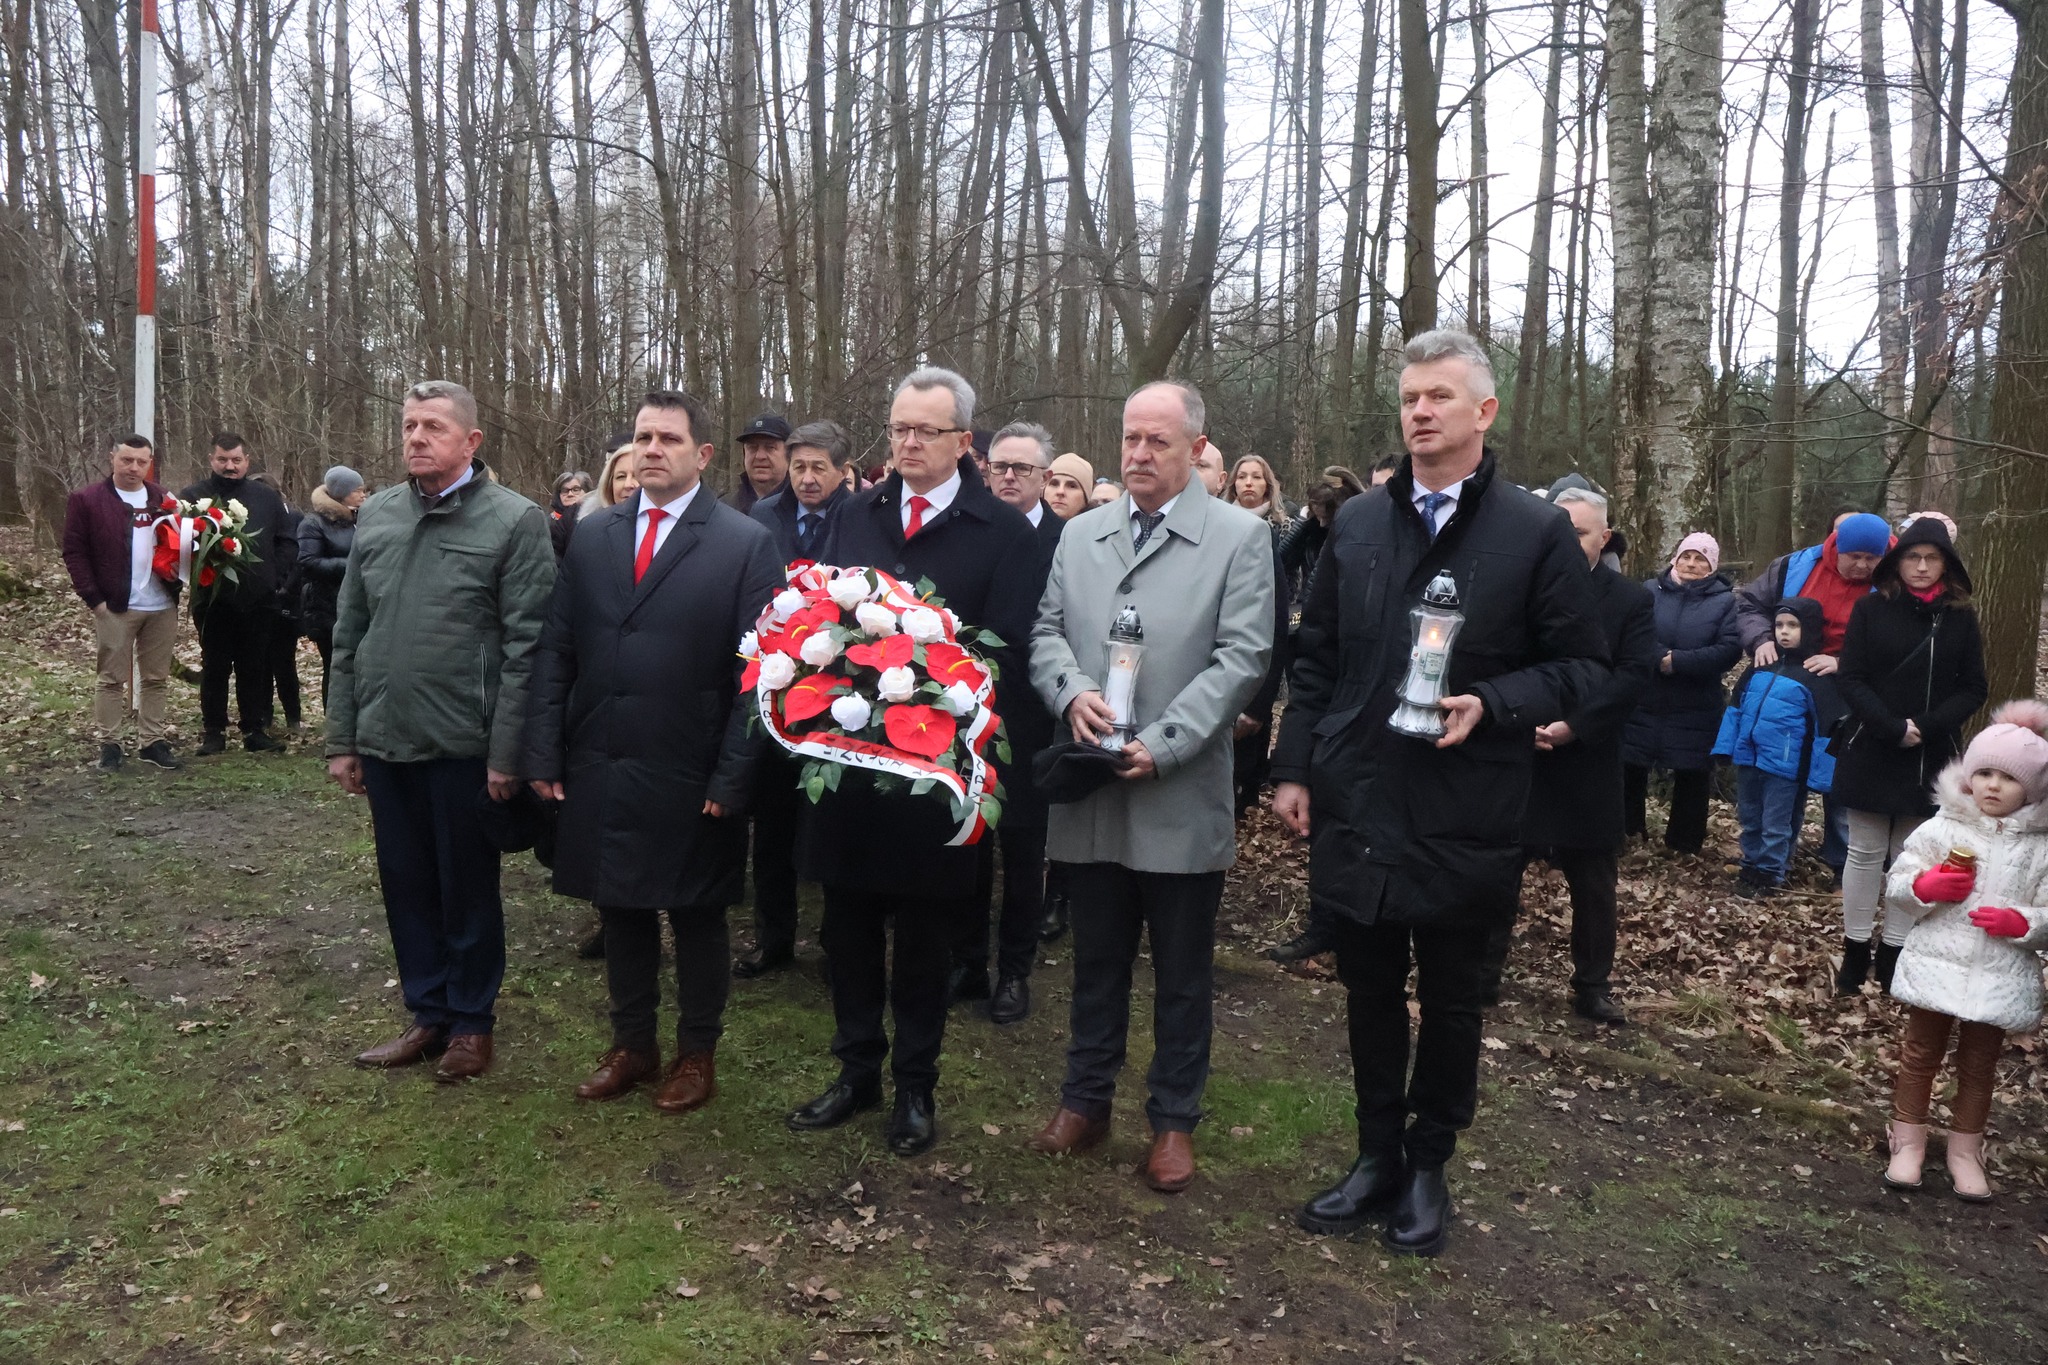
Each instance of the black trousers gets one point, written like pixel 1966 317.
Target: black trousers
pixel 1457 977
pixel 777 807
pixel 284 666
pixel 1590 873
pixel 440 879
pixel 1112 907
pixel 1686 831
pixel 1251 761
pixel 234 638
pixel 865 982
pixel 632 968
pixel 323 640
pixel 1022 849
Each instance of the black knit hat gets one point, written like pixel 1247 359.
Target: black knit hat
pixel 1924 531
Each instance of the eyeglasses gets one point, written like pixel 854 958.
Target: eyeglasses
pixel 903 431
pixel 1020 468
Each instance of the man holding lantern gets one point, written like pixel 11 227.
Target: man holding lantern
pixel 1450 616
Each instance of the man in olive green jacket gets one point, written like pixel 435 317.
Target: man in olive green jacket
pixel 440 612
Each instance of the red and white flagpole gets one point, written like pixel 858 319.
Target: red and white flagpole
pixel 145 223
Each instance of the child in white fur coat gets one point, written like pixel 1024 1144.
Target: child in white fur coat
pixel 1971 962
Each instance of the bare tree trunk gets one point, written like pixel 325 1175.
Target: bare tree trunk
pixel 1629 199
pixel 1307 414
pixel 1478 265
pixel 1773 520
pixel 1418 110
pixel 1536 291
pixel 1351 269
pixel 1892 341
pixel 743 390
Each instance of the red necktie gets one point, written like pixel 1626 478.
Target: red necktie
pixel 646 555
pixel 917 505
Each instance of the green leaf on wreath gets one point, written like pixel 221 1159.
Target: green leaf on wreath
pixel 814 787
pixel 923 785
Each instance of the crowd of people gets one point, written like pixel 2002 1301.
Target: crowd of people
pixel 500 676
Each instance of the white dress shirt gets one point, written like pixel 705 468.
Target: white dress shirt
pixel 1445 512
pixel 939 498
pixel 1036 513
pixel 675 508
pixel 1136 525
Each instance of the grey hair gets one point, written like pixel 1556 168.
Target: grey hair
pixel 1028 431
pixel 427 390
pixel 1586 496
pixel 1190 400
pixel 829 437
pixel 1448 343
pixel 933 377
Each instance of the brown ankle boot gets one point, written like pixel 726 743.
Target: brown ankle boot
pixel 692 1083
pixel 617 1072
pixel 1068 1132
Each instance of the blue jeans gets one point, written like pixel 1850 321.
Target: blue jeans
pixel 1771 809
pixel 1834 835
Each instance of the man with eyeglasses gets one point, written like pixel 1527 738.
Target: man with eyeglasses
pixel 885 856
pixel 1018 458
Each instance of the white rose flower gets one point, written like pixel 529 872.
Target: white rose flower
pixel 819 649
pixel 236 510
pixel 848 591
pixel 876 619
pixel 777 672
pixel 959 699
pixel 924 625
pixel 788 603
pixel 851 711
pixel 952 621
pixel 202 505
pixel 897 684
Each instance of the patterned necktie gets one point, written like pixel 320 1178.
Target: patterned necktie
pixel 1432 503
pixel 1148 522
pixel 917 505
pixel 806 530
pixel 646 555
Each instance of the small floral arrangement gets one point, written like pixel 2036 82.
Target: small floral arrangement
pixel 202 543
pixel 850 668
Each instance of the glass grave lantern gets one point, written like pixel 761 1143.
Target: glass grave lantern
pixel 1125 652
pixel 1435 625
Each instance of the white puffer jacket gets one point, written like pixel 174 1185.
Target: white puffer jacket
pixel 1949 964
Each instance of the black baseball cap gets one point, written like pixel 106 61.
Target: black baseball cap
pixel 770 425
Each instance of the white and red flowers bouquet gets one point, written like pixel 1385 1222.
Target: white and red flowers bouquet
pixel 202 543
pixel 851 669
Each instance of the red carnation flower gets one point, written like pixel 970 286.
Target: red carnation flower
pixel 216 516
pixel 811 696
pixel 206 576
pixel 169 504
pixel 922 730
pixel 891 651
pixel 230 545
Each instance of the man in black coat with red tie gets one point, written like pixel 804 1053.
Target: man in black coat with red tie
pixel 885 856
pixel 638 727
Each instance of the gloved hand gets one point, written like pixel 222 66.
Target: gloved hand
pixel 1999 922
pixel 1938 885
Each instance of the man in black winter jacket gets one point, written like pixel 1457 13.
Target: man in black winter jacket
pixel 1416 847
pixel 236 624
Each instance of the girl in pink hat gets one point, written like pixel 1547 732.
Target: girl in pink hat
pixel 1974 881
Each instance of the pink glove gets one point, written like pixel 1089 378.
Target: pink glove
pixel 1938 885
pixel 1999 922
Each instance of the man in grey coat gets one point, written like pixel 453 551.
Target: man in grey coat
pixel 1150 849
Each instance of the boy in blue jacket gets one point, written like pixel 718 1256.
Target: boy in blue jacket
pixel 1775 733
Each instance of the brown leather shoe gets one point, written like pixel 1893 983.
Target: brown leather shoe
pixel 1171 1164
pixel 407 1048
pixel 468 1057
pixel 1070 1133
pixel 691 1083
pixel 617 1072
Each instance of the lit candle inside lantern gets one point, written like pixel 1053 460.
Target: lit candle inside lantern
pixel 1435 623
pixel 1125 652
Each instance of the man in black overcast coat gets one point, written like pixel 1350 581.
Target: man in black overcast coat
pixel 1416 847
pixel 885 856
pixel 638 727
pixel 1575 821
pixel 236 622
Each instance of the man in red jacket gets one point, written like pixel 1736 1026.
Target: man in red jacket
pixel 109 543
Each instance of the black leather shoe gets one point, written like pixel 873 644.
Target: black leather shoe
pixel 261 742
pixel 110 758
pixel 1011 1003
pixel 840 1102
pixel 214 743
pixel 762 961
pixel 913 1127
pixel 1304 945
pixel 590 948
pixel 1421 1223
pixel 1055 922
pixel 1597 1003
pixel 1368 1189
pixel 966 983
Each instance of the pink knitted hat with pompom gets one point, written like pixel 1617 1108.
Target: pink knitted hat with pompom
pixel 2015 743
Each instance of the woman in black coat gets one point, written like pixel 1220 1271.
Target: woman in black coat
pixel 1912 675
pixel 1674 726
pixel 326 533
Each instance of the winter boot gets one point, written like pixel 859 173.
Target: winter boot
pixel 1966 1168
pixel 1909 1154
pixel 1855 966
pixel 1887 963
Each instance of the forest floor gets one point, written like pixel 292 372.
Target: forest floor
pixel 190 1169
